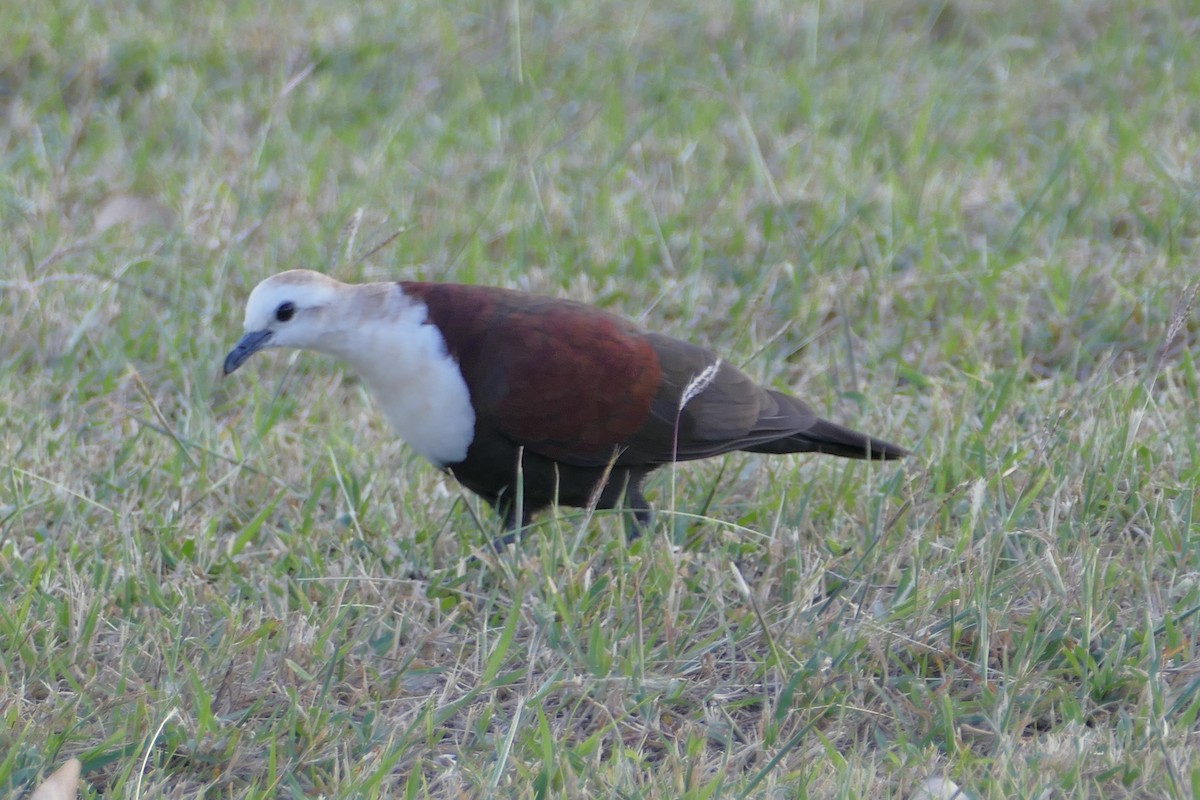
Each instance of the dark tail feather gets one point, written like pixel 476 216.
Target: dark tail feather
pixel 829 437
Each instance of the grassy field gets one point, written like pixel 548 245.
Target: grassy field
pixel 967 227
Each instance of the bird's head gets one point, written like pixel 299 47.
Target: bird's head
pixel 294 309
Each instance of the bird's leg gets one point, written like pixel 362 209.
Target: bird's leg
pixel 514 525
pixel 501 543
pixel 639 521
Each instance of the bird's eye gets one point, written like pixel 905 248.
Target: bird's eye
pixel 285 311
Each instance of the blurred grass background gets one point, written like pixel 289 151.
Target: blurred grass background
pixel 968 227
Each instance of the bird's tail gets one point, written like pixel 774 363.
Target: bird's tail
pixel 829 437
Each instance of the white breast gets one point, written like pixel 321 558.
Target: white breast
pixel 416 383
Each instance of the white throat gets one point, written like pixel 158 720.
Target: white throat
pixel 412 377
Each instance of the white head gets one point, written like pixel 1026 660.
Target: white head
pixel 384 335
pixel 297 308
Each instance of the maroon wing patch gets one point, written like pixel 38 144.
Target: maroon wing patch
pixel 566 380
